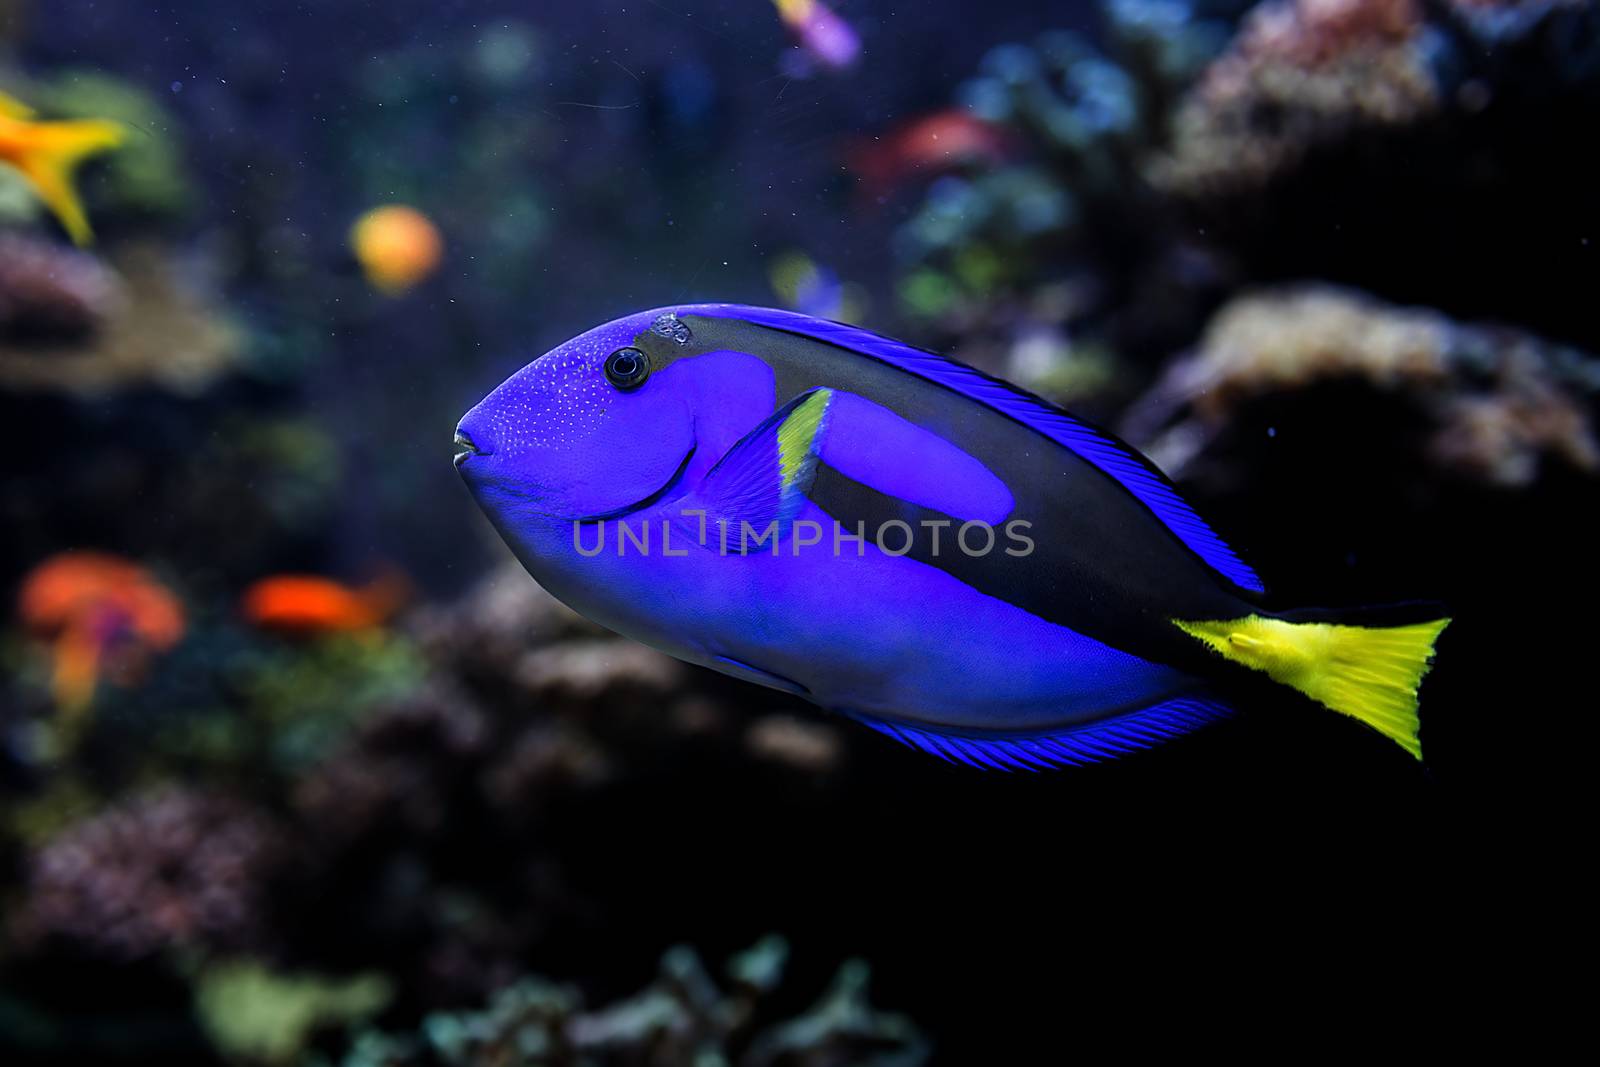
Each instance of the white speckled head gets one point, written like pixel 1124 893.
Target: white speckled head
pixel 561 438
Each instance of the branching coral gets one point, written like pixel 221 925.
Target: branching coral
pixel 683 1017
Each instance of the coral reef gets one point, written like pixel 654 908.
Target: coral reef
pixel 1300 74
pixel 500 617
pixel 1305 76
pixel 167 870
pixel 511 636
pixel 397 769
pixel 683 1017
pixel 159 335
pixel 1042 265
pixel 510 628
pixel 52 293
pixel 1341 250
pixel 811 746
pixel 1494 405
pixel 1080 115
pixel 1353 139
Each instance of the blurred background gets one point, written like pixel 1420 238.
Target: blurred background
pixel 297 766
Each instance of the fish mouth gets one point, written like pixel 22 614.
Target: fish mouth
pixel 637 505
pixel 466 448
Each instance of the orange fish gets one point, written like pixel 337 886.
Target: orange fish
pixel 310 604
pixel 938 141
pixel 397 247
pixel 103 617
pixel 46 154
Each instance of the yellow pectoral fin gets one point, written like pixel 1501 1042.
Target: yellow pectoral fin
pixel 53 152
pixel 1370 673
pixel 797 437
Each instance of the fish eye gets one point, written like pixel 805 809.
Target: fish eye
pixel 627 368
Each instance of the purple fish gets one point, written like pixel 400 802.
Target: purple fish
pixel 821 34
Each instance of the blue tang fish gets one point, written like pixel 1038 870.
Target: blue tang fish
pixel 900 539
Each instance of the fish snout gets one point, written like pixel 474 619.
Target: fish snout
pixel 466 448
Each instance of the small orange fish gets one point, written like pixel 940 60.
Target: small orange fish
pixel 938 141
pixel 310 604
pixel 103 617
pixel 397 247
pixel 46 154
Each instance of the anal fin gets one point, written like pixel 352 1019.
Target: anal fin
pixel 1061 747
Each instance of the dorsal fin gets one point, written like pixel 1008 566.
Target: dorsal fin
pixel 1065 747
pixel 1098 448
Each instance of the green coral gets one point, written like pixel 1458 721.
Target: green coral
pixel 844 1022
pixel 143 178
pixel 683 1017
pixel 309 697
pixel 232 702
pixel 257 1015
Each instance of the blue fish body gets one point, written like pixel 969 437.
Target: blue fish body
pixel 896 537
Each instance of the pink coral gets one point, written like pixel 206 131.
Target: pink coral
pixel 177 868
pixel 1316 32
pixel 50 292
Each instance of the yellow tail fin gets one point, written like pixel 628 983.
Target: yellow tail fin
pixel 1369 673
pixel 49 154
